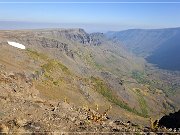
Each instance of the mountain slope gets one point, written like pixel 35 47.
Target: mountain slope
pixel 23 111
pixel 167 56
pixel 159 46
pixel 85 69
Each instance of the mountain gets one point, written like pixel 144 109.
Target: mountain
pixel 86 71
pixel 158 46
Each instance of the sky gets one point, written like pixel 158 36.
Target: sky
pixel 104 16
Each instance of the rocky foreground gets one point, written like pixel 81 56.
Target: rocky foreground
pixel 22 111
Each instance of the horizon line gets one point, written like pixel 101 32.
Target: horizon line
pixel 89 2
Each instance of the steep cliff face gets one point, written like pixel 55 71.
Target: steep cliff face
pixel 77 35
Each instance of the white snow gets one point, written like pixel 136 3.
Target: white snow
pixel 15 44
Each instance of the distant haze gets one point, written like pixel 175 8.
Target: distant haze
pixel 92 17
pixel 19 25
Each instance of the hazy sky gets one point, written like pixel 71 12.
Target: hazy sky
pixel 91 16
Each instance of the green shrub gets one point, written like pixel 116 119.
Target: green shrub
pixel 142 103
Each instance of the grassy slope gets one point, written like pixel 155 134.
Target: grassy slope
pixel 103 89
pixel 57 79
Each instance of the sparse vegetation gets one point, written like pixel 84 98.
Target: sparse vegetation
pixel 54 64
pixel 142 102
pixel 153 85
pixel 140 77
pixel 103 89
pixel 89 59
pixel 93 116
pixel 36 55
pixel 50 63
pixel 65 100
pixel 153 124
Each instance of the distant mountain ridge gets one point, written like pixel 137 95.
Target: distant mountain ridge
pixel 158 46
pixel 76 34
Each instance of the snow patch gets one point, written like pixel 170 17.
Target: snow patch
pixel 15 44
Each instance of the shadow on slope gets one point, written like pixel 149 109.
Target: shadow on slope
pixel 171 121
pixel 167 56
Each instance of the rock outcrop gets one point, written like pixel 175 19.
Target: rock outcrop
pixel 171 121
